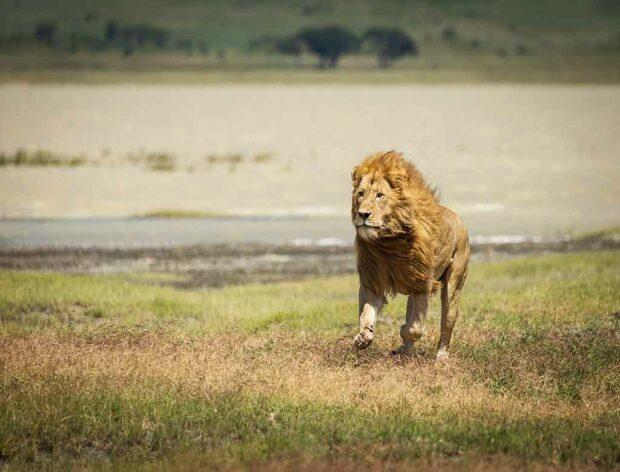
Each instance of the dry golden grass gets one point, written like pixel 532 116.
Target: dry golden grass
pixel 299 367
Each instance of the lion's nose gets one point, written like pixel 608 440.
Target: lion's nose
pixel 364 214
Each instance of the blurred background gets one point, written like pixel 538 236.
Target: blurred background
pixel 216 138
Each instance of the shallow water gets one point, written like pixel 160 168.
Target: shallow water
pixel 168 232
pixel 512 160
pixel 156 232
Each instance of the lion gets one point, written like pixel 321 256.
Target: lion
pixel 408 243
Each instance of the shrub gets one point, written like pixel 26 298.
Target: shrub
pixel 111 31
pixel 45 33
pixel 390 44
pixel 160 161
pixel 129 38
pixel 329 43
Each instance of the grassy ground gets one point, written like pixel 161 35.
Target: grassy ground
pixel 114 371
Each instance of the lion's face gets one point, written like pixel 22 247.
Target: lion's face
pixel 372 205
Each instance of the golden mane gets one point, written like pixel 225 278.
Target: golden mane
pixel 403 259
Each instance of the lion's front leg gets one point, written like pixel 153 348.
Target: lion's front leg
pixel 413 329
pixel 369 307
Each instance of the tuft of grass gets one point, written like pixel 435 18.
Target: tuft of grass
pixel 40 158
pixel 108 370
pixel 160 161
pixel 231 159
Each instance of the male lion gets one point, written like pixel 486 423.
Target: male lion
pixel 406 243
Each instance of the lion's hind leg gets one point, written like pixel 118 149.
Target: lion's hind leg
pixel 453 281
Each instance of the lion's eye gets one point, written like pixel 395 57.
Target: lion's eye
pixel 379 195
pixel 360 194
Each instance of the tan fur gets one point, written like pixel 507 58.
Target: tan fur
pixel 406 241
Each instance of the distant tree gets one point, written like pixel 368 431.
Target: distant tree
pixel 329 43
pixel 138 34
pixel 390 44
pixel 111 31
pixel 130 38
pixel 158 37
pixel 45 33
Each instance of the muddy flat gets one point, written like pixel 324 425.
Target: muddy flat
pixel 216 265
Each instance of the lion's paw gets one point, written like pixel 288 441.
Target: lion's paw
pixel 363 340
pixel 442 355
pixel 403 351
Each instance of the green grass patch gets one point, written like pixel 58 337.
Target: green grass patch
pixel 556 363
pixel 50 421
pixel 579 289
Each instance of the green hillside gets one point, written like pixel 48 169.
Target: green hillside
pixel 446 32
pixel 234 24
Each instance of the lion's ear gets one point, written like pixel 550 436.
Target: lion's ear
pixel 396 178
pixel 355 178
